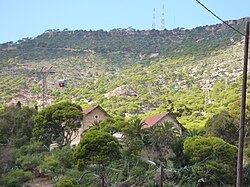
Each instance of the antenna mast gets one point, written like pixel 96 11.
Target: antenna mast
pixel 153 25
pixel 163 18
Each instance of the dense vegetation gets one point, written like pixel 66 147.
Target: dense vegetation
pixel 194 74
pixel 177 42
pixel 100 159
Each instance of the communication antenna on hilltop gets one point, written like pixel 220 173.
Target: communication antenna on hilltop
pixel 163 18
pixel 153 25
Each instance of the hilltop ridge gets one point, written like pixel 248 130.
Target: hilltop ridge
pixel 169 43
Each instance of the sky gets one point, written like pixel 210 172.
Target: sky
pixel 30 18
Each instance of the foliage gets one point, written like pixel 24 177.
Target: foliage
pixel 30 156
pixel 149 64
pixel 200 40
pixel 84 178
pixel 113 125
pixel 99 148
pixel 214 160
pixel 133 131
pixel 16 124
pixel 164 141
pixel 7 158
pixel 67 183
pixel 57 162
pixel 127 72
pixel 96 147
pixel 224 126
pixel 15 178
pixel 31 147
pixel 29 162
pixel 246 175
pixel 79 178
pixel 57 123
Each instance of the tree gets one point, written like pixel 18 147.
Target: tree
pixel 133 131
pixel 30 156
pixel 193 132
pixel 7 158
pixel 15 178
pixel 224 126
pixel 16 123
pixel 214 159
pixel 58 123
pixel 57 162
pixel 86 178
pixel 163 141
pixel 113 125
pixel 97 147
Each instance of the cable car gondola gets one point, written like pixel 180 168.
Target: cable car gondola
pixel 176 89
pixel 62 82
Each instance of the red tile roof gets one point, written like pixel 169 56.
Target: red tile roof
pixel 90 109
pixel 152 120
pixel 13 102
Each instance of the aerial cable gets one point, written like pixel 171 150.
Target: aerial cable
pixel 219 18
pixel 200 162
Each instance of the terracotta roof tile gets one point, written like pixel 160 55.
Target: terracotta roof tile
pixel 90 109
pixel 152 120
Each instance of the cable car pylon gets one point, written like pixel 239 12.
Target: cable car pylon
pixel 44 74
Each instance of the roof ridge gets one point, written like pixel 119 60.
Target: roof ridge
pixel 153 119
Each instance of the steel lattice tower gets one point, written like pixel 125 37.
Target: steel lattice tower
pixel 163 18
pixel 153 25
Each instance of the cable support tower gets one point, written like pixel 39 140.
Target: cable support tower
pixel 43 74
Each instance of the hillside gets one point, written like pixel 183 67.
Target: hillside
pixel 129 71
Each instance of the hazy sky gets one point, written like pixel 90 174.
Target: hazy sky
pixel 30 18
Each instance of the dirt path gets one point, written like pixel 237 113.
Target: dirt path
pixel 40 181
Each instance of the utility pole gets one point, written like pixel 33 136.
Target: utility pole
pixel 161 175
pixel 242 112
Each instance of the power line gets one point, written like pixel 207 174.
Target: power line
pixel 185 168
pixel 219 18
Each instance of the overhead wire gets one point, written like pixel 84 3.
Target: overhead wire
pixel 219 18
pixel 186 168
pixel 208 157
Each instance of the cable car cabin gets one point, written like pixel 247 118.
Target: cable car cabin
pixel 176 89
pixel 62 82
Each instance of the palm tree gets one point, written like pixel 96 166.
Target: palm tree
pixel 134 131
pixel 193 132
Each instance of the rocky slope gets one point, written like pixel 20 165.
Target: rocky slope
pixel 129 66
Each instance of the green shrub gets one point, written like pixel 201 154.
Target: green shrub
pixel 15 178
pixel 67 183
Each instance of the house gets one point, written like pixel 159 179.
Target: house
pixel 90 115
pixel 161 118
